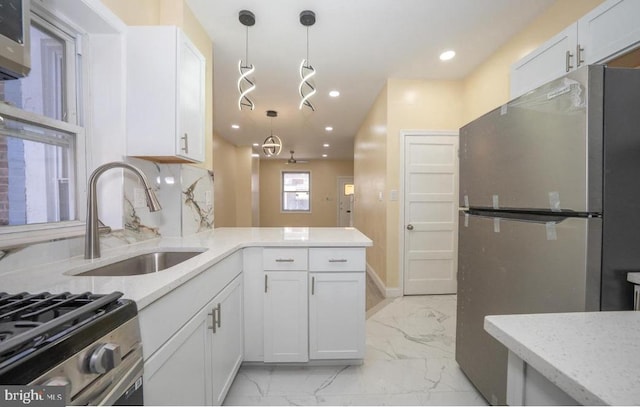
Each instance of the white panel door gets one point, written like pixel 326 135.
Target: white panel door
pixel 345 202
pixel 430 214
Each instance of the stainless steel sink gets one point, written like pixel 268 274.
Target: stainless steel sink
pixel 142 264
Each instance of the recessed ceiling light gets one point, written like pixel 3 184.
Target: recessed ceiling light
pixel 324 156
pixel 254 155
pixel 334 93
pixel 328 128
pixel 325 145
pixel 256 145
pixel 447 55
pixel 235 126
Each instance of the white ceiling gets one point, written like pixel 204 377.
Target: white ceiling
pixel 355 45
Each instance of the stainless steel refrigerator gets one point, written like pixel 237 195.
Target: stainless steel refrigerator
pixel 550 210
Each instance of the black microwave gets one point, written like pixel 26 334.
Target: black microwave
pixel 15 61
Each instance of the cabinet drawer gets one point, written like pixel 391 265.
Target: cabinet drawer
pixel 337 259
pixel 284 259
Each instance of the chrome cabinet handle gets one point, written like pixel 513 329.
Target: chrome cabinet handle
pixel 265 282
pixel 216 317
pixel 337 260
pixel 568 57
pixel 313 285
pixel 186 143
pixel 212 314
pixel 409 226
pixel 579 51
pixel 284 260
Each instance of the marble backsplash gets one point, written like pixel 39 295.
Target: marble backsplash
pixel 185 193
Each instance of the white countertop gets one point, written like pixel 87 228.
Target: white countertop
pixel 593 356
pixel 633 277
pixel 144 289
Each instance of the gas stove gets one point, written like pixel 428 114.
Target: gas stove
pixel 90 344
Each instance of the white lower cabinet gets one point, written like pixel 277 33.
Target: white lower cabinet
pixel 285 316
pixel 178 373
pixel 226 339
pixel 313 309
pixel 197 365
pixel 337 315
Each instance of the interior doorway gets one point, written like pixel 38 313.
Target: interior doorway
pixel 429 236
pixel 345 201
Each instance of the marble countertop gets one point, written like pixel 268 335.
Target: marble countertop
pixel 144 289
pixel 593 356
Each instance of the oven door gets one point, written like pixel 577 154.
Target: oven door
pixel 120 386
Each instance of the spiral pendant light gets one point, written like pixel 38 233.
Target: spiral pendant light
pixel 307 88
pixel 246 85
pixel 272 145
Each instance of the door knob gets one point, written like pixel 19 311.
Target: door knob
pixel 409 226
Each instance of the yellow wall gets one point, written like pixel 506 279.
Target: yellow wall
pixel 324 192
pixel 487 87
pixel 369 178
pixel 175 12
pixel 234 172
pixel 402 105
pixel 224 182
pixel 413 104
pixel 432 105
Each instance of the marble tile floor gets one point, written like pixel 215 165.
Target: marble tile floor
pixel 409 361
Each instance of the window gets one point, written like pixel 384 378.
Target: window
pixel 296 191
pixel 40 139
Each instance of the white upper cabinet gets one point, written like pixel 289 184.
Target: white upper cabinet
pixel 605 32
pixel 551 60
pixel 610 29
pixel 165 95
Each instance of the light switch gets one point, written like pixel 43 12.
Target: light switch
pixel 393 195
pixel 380 196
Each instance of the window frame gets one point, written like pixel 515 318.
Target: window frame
pixel 19 235
pixel 282 191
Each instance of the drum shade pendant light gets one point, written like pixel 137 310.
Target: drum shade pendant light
pixel 246 85
pixel 307 87
pixel 272 145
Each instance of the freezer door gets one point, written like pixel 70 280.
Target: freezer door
pixel 536 151
pixel 511 266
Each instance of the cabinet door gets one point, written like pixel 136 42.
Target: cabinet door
pixel 285 317
pixel 190 93
pixel 226 339
pixel 337 315
pixel 551 60
pixel 177 374
pixel 253 304
pixel 609 29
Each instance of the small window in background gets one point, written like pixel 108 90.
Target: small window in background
pixel 38 162
pixel 296 191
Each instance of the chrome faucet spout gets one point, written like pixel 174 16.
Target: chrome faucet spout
pixel 92 239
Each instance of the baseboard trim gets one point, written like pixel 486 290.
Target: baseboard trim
pixel 387 292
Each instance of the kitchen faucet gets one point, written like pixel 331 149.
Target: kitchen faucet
pixel 92 239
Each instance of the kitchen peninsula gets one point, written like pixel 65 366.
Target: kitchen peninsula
pixel 276 295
